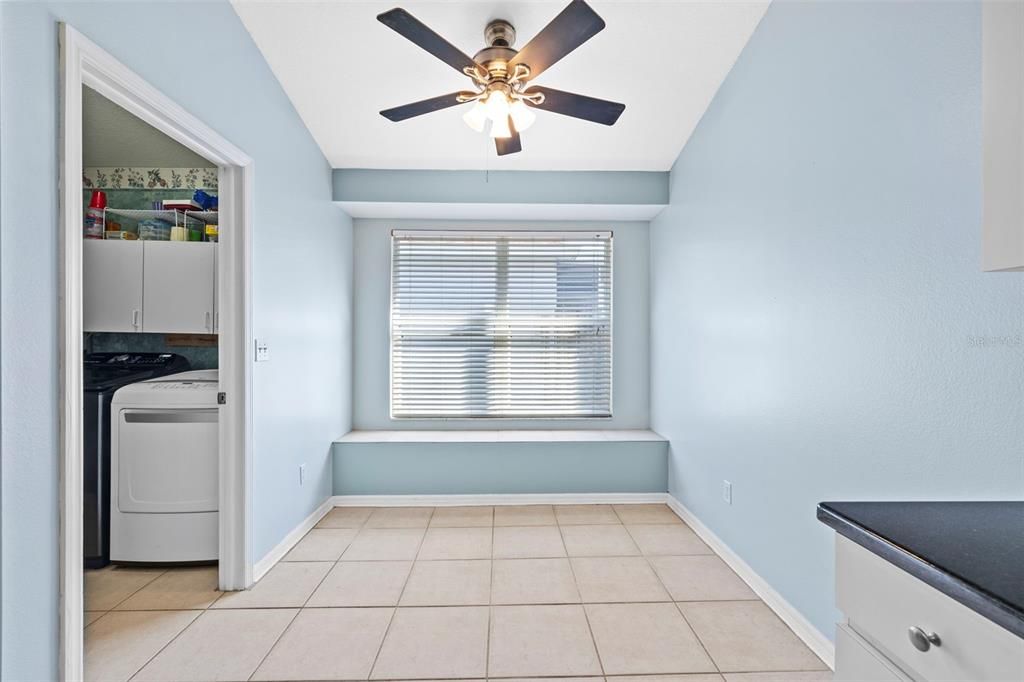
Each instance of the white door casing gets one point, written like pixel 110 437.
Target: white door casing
pixel 82 62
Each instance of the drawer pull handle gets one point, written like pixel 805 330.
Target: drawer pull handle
pixel 923 641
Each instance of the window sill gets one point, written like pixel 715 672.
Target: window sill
pixel 503 436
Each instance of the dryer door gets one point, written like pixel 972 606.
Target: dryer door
pixel 167 460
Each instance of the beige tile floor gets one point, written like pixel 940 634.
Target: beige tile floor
pixel 470 593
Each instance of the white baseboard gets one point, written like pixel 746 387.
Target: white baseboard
pixel 811 636
pixel 273 556
pixel 499 499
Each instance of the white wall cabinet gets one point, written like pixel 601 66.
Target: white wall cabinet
pixel 178 287
pixel 112 286
pixel 149 286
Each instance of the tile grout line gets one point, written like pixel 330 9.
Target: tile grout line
pixel 654 570
pixel 276 640
pixel 299 610
pixel 302 607
pixel 133 593
pixel 415 558
pixel 576 584
pixel 394 611
pixel 188 625
pixel 181 632
pixel 172 639
pixel 96 620
pixel 650 566
pixel 490 605
pixel 699 640
pixel 161 649
pixel 459 605
pixel 359 529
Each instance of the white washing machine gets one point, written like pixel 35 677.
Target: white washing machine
pixel 164 466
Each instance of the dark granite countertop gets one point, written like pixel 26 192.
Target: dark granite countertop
pixel 970 551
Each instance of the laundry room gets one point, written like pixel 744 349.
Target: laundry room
pixel 151 356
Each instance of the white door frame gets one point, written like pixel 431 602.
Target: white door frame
pixel 82 62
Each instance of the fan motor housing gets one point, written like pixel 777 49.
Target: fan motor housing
pixel 495 60
pixel 499 36
pixel 500 33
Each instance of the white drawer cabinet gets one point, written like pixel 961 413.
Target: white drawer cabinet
pixel 858 661
pixel 112 286
pixel 178 287
pixel 149 286
pixel 882 603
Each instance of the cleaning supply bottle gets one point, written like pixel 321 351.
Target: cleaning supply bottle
pixel 94 215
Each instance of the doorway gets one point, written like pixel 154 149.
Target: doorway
pixel 88 69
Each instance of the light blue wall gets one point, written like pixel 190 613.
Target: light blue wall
pixel 634 188
pixel 201 56
pixel 494 468
pixel 372 255
pixel 817 300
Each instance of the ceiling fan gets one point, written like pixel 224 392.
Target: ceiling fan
pixel 502 77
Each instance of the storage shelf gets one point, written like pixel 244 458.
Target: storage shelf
pixel 172 216
pixel 208 217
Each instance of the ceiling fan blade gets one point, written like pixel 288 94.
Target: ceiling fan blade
pixel 422 107
pixel 578 106
pixel 509 145
pixel 415 30
pixel 575 25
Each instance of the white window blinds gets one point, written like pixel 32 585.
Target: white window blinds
pixel 501 325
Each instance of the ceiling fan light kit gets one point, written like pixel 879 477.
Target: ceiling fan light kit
pixel 503 95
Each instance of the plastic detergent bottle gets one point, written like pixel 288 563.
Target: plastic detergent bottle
pixel 94 215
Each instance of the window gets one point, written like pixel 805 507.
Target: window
pixel 501 325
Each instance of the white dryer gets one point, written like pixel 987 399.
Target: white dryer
pixel 164 469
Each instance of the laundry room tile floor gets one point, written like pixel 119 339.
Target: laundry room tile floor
pixel 578 592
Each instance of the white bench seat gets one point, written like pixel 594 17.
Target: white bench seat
pixel 501 436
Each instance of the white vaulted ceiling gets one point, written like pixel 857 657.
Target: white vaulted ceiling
pixel 340 67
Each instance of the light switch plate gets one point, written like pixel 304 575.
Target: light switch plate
pixel 727 492
pixel 262 350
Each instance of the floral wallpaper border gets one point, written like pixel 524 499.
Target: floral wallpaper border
pixel 149 178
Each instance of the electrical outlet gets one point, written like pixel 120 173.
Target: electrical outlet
pixel 727 492
pixel 262 350
pixel 302 474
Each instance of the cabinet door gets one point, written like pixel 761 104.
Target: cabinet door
pixel 178 287
pixel 111 285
